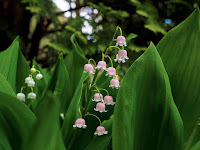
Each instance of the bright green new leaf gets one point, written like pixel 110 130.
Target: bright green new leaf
pixel 14 66
pixel 16 120
pixel 145 115
pixel 180 52
pixel 46 133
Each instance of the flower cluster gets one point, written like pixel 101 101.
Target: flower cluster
pixel 102 66
pixel 30 83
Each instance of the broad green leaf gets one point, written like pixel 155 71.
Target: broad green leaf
pixel 59 85
pixel 16 120
pixel 46 133
pixel 5 86
pixel 145 115
pixel 72 114
pixel 14 66
pixel 101 142
pixel 74 63
pixel 179 50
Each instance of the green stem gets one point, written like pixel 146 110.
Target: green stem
pixel 103 90
pixel 102 56
pixel 115 47
pixel 97 89
pixel 38 71
pixel 189 142
pixel 80 112
pixel 31 89
pixel 93 61
pixel 88 114
pixel 22 89
pixel 112 39
pixel 110 60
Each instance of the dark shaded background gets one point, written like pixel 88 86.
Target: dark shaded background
pixel 45 31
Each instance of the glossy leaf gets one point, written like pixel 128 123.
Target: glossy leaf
pixel 16 120
pixel 145 115
pixel 179 50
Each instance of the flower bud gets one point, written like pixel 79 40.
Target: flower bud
pixel 121 41
pixel 100 107
pixel 31 95
pixel 100 130
pixel 62 116
pixel 21 97
pixel 80 123
pixel 33 70
pixel 39 76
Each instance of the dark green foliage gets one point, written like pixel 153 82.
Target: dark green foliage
pixel 145 115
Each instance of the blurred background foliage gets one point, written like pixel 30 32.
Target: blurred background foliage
pixel 45 26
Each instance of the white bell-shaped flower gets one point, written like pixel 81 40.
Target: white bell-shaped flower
pixel 39 76
pixel 28 79
pixel 21 97
pixel 31 95
pixel 31 83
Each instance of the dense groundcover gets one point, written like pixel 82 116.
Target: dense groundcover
pixel 157 106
